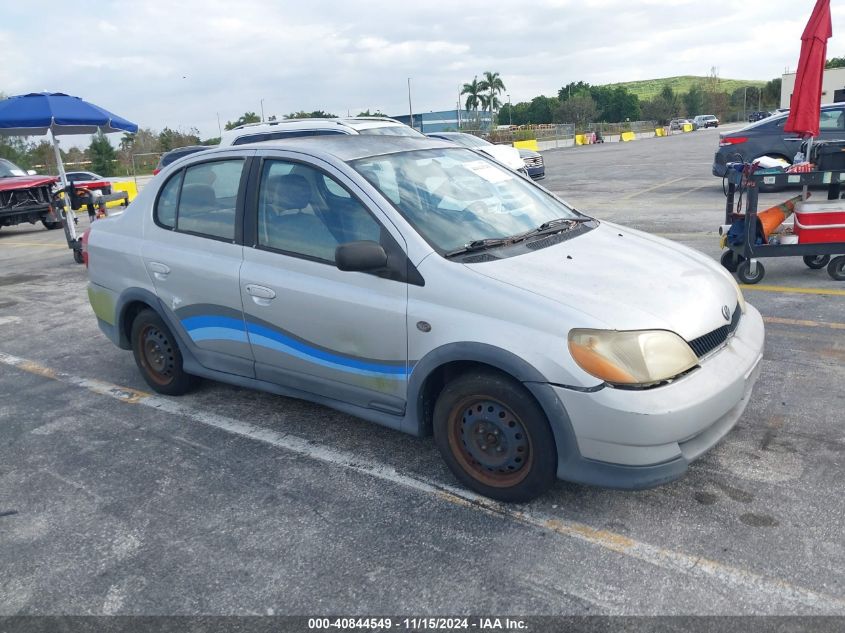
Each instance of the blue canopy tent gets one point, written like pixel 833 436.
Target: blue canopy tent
pixel 54 114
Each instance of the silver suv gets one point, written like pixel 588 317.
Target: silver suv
pixel 293 128
pixel 421 286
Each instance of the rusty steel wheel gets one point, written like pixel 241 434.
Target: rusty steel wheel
pixel 489 441
pixel 158 356
pixel 494 436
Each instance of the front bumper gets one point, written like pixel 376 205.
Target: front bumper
pixel 634 439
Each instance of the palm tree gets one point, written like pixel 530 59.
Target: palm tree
pixel 473 92
pixel 492 84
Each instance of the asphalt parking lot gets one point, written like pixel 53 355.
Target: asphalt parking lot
pixel 228 501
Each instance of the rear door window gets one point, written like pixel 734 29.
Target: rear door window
pixel 201 199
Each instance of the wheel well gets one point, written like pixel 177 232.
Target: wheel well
pixel 439 378
pixel 128 317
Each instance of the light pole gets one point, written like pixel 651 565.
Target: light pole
pixel 262 110
pixel 510 112
pixel 744 104
pixel 410 107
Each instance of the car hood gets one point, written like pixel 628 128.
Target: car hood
pixel 504 154
pixel 25 182
pixel 621 279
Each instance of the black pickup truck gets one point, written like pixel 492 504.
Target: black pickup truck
pixel 25 198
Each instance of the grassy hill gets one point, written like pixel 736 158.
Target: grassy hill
pixel 648 88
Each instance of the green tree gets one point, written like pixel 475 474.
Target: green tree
pixel 659 109
pixel 694 100
pixel 314 114
pixel 492 86
pixel 169 139
pixel 246 117
pixel 542 109
pixel 473 92
pixel 579 110
pixel 771 93
pixel 368 113
pixel 573 89
pixel 102 154
pixel 835 62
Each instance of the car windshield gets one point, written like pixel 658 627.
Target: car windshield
pixel 389 130
pixel 454 197
pixel 468 140
pixel 8 169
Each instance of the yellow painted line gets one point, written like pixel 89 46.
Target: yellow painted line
pixel 803 323
pixel 752 584
pixel 658 186
pixel 793 290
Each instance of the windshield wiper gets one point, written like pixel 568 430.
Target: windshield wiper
pixel 479 245
pixel 557 225
pixel 552 226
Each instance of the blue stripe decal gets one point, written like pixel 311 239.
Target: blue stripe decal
pixel 205 328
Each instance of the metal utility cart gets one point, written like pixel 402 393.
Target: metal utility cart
pixel 742 259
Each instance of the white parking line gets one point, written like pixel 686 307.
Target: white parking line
pixel 780 591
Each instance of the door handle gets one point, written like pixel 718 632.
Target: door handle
pixel 261 295
pixel 159 270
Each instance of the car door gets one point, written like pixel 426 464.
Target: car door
pixel 314 328
pixel 194 255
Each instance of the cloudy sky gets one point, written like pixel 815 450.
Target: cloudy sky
pixel 179 63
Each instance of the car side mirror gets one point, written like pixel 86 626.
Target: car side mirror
pixel 361 256
pixel 31 172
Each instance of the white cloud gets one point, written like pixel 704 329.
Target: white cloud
pixel 165 63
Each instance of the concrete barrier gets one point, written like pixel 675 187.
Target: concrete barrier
pixel 660 131
pixel 687 127
pixel 628 136
pixel 579 139
pixel 128 186
pixel 529 144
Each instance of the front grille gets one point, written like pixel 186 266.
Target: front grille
pixel 703 345
pixel 534 162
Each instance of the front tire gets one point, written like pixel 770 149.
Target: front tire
pixel 494 437
pixel 158 356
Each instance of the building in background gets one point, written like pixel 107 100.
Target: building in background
pixel 446 120
pixel 833 87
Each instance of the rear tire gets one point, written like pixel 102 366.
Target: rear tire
pixel 51 226
pixel 158 356
pixel 816 261
pixel 836 268
pixel 494 437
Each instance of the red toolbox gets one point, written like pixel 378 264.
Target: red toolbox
pixel 820 222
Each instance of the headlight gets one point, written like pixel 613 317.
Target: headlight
pixel 640 357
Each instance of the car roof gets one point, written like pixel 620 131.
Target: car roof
pixel 346 147
pixel 781 116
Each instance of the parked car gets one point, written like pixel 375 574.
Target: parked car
pixel 757 116
pixel 175 154
pixel 678 124
pixel 534 163
pixel 767 138
pixel 505 154
pixel 82 176
pixel 705 121
pixel 26 197
pixel 294 128
pixel 428 288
